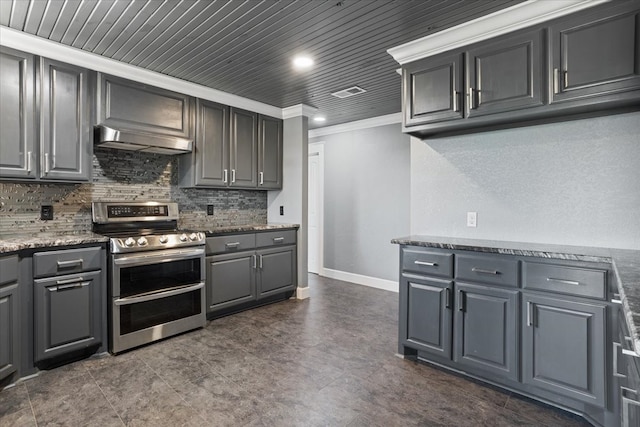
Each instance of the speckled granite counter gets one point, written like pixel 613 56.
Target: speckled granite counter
pixel 19 242
pixel 247 228
pixel 626 264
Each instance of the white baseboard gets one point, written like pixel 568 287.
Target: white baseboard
pixel 303 293
pixel 374 282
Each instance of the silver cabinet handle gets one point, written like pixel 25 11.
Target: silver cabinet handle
pixel 261 178
pixel 556 88
pixel 46 162
pixel 67 281
pixel 566 282
pixel 482 271
pixel 233 176
pixel 529 313
pixel 225 176
pixel 255 261
pixel 460 300
pixel 260 264
pixel 616 346
pixel 447 298
pixel 29 153
pixel 278 239
pixel 232 244
pixel 471 100
pixel 455 100
pixel 428 264
pixel 70 264
pixel 565 78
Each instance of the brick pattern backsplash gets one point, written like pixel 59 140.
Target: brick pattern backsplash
pixel 124 175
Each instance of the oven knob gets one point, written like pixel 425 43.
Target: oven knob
pixel 129 242
pixel 183 238
pixel 164 239
pixel 142 241
pixel 193 236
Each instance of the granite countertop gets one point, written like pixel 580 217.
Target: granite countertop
pixel 246 228
pixel 18 242
pixel 626 264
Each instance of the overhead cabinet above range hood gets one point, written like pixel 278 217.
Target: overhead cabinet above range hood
pixel 140 141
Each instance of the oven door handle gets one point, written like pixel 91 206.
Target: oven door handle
pixel 162 256
pixel 158 295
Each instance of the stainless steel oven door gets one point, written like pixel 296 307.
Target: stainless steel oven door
pixel 155 295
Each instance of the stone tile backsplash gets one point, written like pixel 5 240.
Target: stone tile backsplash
pixel 124 175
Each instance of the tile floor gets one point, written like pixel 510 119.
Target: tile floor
pixel 328 360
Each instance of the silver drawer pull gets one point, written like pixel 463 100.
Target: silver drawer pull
pixel 482 271
pixel 278 239
pixel 616 374
pixel 566 282
pixel 428 264
pixel 66 281
pixel 71 263
pixel 232 244
pixel 616 301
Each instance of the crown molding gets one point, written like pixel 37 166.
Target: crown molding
pixel 40 46
pixel 504 21
pixel 298 110
pixel 389 119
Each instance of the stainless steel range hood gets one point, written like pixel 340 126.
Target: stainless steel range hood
pixel 139 141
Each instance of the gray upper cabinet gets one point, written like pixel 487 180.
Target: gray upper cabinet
pixel 269 153
pixel 595 54
pixel 243 149
pixel 563 346
pixel 17 121
pixel 432 90
pixel 130 105
pixel 64 122
pixel 486 329
pixel 505 75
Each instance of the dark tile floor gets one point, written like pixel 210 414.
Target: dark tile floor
pixel 328 360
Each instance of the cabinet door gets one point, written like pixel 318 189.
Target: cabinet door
pixel 9 332
pixel 126 104
pixel 64 122
pixel 563 344
pixel 505 75
pixel 212 144
pixel 17 125
pixel 592 56
pixel 276 270
pixel 230 279
pixel 432 90
pixel 244 149
pixel 270 153
pixel 425 314
pixel 68 312
pixel 486 329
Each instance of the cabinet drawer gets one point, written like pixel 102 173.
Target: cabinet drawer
pixel 231 243
pixel 271 238
pixel 563 279
pixel 8 269
pixel 67 261
pixel 487 269
pixel 426 262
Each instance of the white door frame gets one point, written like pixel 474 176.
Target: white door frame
pixel 317 149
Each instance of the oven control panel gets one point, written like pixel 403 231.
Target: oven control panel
pixel 124 211
pixel 128 212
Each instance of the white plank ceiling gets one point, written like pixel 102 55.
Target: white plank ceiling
pixel 246 47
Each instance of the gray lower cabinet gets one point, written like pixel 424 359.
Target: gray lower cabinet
pixel 485 330
pixel 595 55
pixel 270 153
pixel 626 372
pixel 17 121
pixel 230 280
pixel 65 141
pixel 563 347
pixel 9 320
pixel 276 270
pixel 67 313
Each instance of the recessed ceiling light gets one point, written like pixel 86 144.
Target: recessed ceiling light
pixel 302 62
pixel 319 119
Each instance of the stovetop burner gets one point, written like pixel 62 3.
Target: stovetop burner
pixel 142 226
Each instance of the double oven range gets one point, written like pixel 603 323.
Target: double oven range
pixel 156 272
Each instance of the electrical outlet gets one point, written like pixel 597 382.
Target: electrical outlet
pixel 209 209
pixel 472 219
pixel 46 212
pixel 281 210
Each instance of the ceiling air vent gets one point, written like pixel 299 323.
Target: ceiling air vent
pixel 345 93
